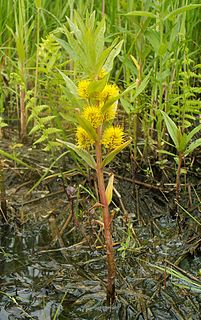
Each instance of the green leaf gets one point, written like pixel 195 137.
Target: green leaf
pixel 47 119
pixel 192 133
pixel 89 49
pixel 131 87
pixel 181 10
pixel 65 45
pixel 69 83
pixel 36 111
pixel 142 86
pixel 36 128
pixel 81 153
pixel 41 139
pixel 20 49
pixel 74 29
pixel 172 129
pixel 69 117
pixel 12 157
pixel 194 145
pixel 153 37
pixel 102 59
pixel 47 171
pixel 97 86
pixel 182 142
pixel 197 221
pixel 167 152
pixel 99 37
pixel 128 107
pixel 142 14
pixel 108 65
pixel 86 125
pixel 162 49
pixel 77 53
pixel 49 131
pixel 108 103
pixel 109 157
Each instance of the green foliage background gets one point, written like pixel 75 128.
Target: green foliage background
pixel 158 62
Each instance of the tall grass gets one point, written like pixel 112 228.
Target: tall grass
pixel 159 56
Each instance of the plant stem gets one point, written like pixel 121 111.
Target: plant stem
pixel 23 115
pixel 3 207
pixel 37 53
pixel 103 8
pixel 107 223
pixel 178 182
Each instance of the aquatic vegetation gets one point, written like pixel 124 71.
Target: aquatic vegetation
pixel 183 144
pixel 95 133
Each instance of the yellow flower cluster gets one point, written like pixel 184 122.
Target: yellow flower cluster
pixel 109 91
pixel 111 137
pixel 83 139
pixel 93 115
pixel 83 89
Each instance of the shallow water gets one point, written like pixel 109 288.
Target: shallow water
pixel 43 279
pixel 43 282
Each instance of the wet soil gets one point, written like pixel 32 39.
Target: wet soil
pixel 52 257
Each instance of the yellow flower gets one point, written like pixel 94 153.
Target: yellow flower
pixel 83 139
pixel 83 89
pixel 110 90
pixel 113 137
pixel 93 115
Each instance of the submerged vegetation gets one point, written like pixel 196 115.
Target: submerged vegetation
pixel 100 119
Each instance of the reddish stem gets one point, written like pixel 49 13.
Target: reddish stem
pixel 107 223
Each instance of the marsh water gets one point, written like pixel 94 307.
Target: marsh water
pixel 46 276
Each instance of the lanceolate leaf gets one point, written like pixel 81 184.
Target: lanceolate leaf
pixel 128 107
pixel 167 152
pixel 141 14
pixel 192 133
pixel 99 37
pixel 142 86
pixel 115 51
pixel 194 145
pixel 81 153
pixel 131 87
pixel 109 102
pixel 12 157
pixel 109 157
pixel 181 10
pixel 69 83
pixel 86 125
pixel 172 129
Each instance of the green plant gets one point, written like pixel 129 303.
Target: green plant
pixel 98 102
pixel 157 42
pixel 183 144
